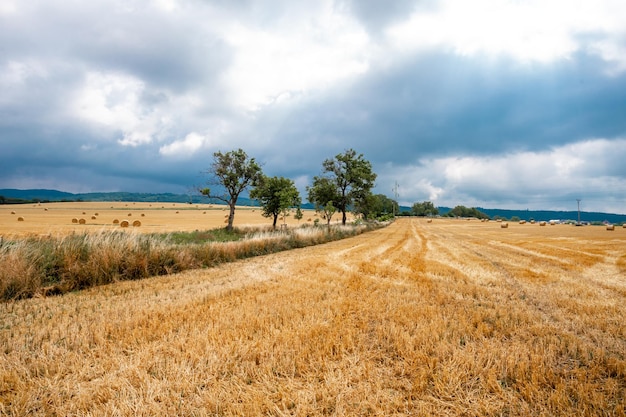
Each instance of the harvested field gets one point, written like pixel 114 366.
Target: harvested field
pixel 57 218
pixel 442 318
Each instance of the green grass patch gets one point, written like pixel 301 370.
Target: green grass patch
pixel 202 236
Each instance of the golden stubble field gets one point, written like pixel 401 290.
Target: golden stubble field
pixel 444 318
pixel 56 218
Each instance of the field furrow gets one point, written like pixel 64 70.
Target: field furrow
pixel 445 318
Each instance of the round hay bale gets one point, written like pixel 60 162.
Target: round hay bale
pixel 124 223
pixel 93 217
pixel 74 220
pixel 82 221
pixel 45 209
pixel 542 223
pixel 130 214
pixel 136 223
pixel 204 212
pixel 504 225
pixel 610 227
pixel 522 222
pixel 97 214
pixel 143 215
pixel 532 222
pixel 429 220
pixel 20 219
pixel 225 220
pixel 624 225
pixel 12 212
pixel 115 221
pixel 84 213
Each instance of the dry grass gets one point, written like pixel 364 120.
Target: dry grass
pixel 447 318
pixel 56 265
pixel 57 218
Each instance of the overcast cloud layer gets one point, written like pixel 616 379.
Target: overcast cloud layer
pixel 498 104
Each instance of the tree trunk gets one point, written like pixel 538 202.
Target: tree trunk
pixel 275 219
pixel 343 217
pixel 231 216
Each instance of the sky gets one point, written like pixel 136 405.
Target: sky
pixel 517 104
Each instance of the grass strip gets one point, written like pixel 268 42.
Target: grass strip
pixel 42 266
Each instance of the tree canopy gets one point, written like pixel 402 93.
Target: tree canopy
pixel 350 175
pixel 425 208
pixel 377 206
pixel 233 171
pixel 277 195
pixel 462 211
pixel 324 195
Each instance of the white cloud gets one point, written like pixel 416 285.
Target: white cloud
pixel 299 55
pixel 7 7
pixel 185 147
pixel 114 101
pixel 532 30
pixel 519 180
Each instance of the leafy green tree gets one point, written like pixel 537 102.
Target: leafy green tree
pixel 277 196
pixel 369 207
pixel 233 171
pixel 425 208
pixel 462 211
pixel 324 195
pixel 352 177
pixel 375 206
pixel 299 214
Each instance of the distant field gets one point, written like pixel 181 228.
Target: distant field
pixel 449 318
pixel 56 218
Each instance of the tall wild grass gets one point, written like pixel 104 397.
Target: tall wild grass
pixel 56 265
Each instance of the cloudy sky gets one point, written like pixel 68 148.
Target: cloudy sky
pixel 490 103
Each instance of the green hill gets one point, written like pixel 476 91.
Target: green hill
pixel 14 196
pixel 547 215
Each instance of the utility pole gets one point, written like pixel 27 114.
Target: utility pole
pixel 578 201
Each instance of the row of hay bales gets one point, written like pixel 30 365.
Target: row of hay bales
pixel 126 223
pixel 123 223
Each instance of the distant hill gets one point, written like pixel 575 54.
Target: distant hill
pixel 13 196
pixel 42 195
pixel 33 195
pixel 547 215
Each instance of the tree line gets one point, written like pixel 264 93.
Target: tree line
pixel 345 184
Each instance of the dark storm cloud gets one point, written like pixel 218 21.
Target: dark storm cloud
pixel 136 96
pixel 443 104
